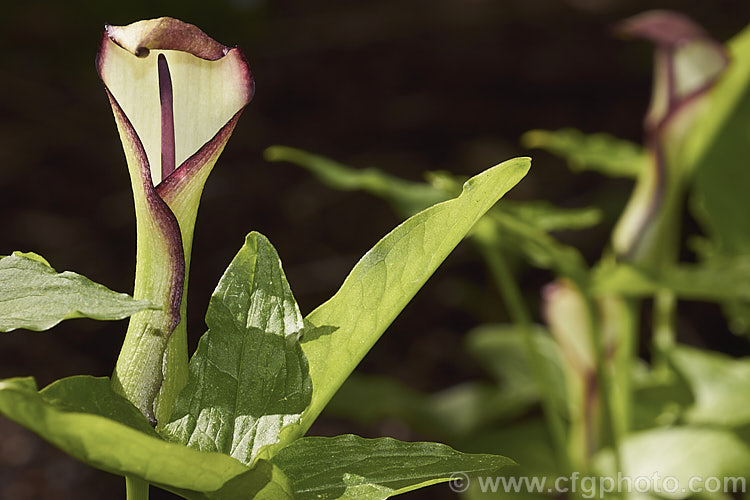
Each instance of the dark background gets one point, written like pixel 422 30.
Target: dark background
pixel 407 86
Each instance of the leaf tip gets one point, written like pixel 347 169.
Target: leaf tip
pixel 274 153
pixel 32 256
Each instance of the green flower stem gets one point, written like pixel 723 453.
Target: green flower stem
pixel 665 304
pixel 520 315
pixel 665 301
pixel 137 489
pixel 152 366
pixel 604 381
pixel 627 318
pixel 174 351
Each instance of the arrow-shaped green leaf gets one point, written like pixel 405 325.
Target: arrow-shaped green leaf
pixel 84 418
pixel 36 297
pixel 374 469
pixel 388 276
pixel 248 379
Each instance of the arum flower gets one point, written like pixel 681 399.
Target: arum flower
pixel 687 65
pixel 176 95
